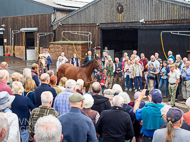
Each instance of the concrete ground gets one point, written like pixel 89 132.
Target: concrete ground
pixel 17 65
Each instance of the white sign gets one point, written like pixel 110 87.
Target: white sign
pixel 5 40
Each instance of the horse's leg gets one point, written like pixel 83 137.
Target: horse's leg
pixel 87 87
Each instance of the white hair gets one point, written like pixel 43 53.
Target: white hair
pixel 17 87
pixel 156 54
pixel 44 77
pixel 116 58
pixel 126 53
pixel 118 101
pixel 185 58
pixel 62 53
pixel 80 83
pixel 4 74
pixel 136 59
pixel 188 102
pixel 170 59
pixel 142 54
pixel 117 88
pixel 89 101
pixel 3 121
pixel 135 51
pixel 89 52
pixel 165 109
pixel 170 52
pixel 178 56
pixel 46 97
pixel 152 56
pixel 70 84
pixel 48 129
pixel 26 75
pixel 125 97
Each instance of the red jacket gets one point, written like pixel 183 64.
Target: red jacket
pixel 144 64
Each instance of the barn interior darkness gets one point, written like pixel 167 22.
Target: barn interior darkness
pixel 1 39
pixel 119 41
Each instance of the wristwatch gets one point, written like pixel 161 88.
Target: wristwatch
pixel 138 99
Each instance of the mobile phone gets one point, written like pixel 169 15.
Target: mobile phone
pixel 147 93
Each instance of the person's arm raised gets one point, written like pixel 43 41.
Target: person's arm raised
pixel 140 98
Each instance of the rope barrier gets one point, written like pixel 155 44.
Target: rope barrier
pixel 163 47
pixel 14 51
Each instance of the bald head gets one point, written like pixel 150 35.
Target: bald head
pixel 45 78
pixel 118 101
pixel 4 65
pixel 96 88
pixel 4 75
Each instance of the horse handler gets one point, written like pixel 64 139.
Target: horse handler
pixel 109 73
pixel 102 79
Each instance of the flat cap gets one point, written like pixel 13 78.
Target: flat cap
pixel 76 97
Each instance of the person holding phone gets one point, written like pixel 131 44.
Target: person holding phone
pixel 151 76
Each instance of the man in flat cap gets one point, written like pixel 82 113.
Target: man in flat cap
pixel 76 127
pixel 173 80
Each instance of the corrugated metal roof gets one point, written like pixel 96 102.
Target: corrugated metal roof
pixel 63 4
pixel 185 3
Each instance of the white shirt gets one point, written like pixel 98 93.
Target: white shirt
pixel 64 59
pixel 46 55
pixel 174 76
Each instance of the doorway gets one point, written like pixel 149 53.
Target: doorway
pixel 29 47
pixel 119 41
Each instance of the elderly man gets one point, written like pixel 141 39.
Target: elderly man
pixel 76 127
pixel 3 126
pixel 184 63
pixel 173 132
pixel 4 66
pixel 61 103
pixel 48 129
pixel 100 103
pixel 4 77
pixel 170 61
pixel 35 73
pixel 88 58
pixel 158 59
pixel 42 110
pixel 123 58
pixel 115 124
pixel 173 79
pixel 186 116
pixel 185 75
pixel 170 56
pixel 136 73
pixel 150 114
pixel 45 79
pixel 16 77
pixel 164 112
pixel 63 57
pixel 109 73
pixel 117 71
pixel 135 54
pixel 179 61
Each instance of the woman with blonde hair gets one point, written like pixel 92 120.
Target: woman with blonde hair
pixel 42 64
pixel 62 82
pixel 29 90
pixel 26 75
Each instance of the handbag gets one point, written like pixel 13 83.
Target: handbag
pixel 151 76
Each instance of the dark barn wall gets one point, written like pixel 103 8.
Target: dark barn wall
pixel 93 28
pixel 42 22
pixel 149 42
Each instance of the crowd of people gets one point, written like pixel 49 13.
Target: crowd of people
pixel 35 107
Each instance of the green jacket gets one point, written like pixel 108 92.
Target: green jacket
pixel 109 69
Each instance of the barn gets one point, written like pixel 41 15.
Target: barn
pixel 26 25
pixel 126 25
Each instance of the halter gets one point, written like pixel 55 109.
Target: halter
pixel 96 63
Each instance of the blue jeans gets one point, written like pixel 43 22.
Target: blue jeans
pixel 44 70
pixel 140 82
pixel 127 79
pixel 48 67
pixel 165 81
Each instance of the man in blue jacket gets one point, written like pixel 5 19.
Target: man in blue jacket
pixel 150 114
pixel 45 79
pixel 76 127
pixel 117 69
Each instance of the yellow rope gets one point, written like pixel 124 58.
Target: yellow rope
pixel 73 46
pixel 22 46
pixel 163 47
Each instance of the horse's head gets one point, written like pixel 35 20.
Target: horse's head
pixel 97 63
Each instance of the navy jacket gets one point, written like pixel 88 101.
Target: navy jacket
pixel 120 69
pixel 115 125
pixel 40 89
pixel 77 127
pixel 20 107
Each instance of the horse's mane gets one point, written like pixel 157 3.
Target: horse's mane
pixel 87 63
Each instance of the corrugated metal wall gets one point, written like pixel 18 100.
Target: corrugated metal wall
pixel 105 11
pixel 11 8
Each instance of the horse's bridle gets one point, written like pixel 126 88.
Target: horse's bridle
pixel 96 63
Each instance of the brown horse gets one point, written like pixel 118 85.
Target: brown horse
pixel 83 72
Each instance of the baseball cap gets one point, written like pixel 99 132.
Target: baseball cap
pixel 46 50
pixel 174 114
pixel 156 96
pixel 16 75
pixel 76 97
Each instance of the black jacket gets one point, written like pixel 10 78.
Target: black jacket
pixel 115 125
pixel 86 59
pixel 100 103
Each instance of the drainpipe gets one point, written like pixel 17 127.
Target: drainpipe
pixel 54 18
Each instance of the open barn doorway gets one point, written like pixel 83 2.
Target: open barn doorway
pixel 119 41
pixel 30 49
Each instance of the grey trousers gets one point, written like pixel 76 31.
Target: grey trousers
pixel 186 89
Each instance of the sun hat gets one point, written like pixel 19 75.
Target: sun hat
pixel 5 99
pixel 76 97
